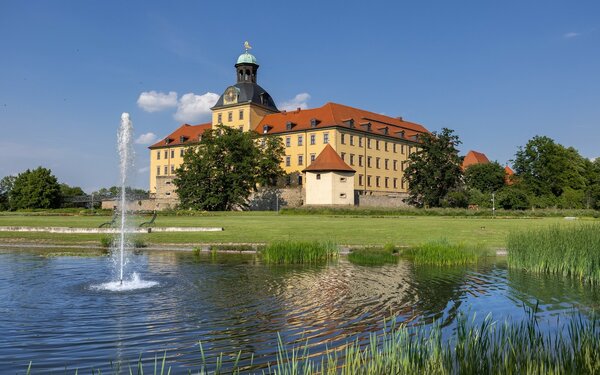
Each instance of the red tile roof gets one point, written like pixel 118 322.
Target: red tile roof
pixel 509 171
pixel 184 135
pixel 474 157
pixel 333 114
pixel 328 160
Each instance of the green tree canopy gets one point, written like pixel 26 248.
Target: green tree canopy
pixel 36 188
pixel 224 168
pixel 434 169
pixel 546 167
pixel 6 185
pixel 487 177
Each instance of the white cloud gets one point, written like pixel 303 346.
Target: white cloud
pixel 571 34
pixel 146 139
pixel 192 107
pixel 299 101
pixel 152 101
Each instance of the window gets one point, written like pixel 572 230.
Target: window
pixel 318 176
pixel 326 137
pixel 313 139
pixel 288 141
pixel 368 180
pixel 220 118
pixel 402 149
pixel 300 180
pixel 351 159
pixel 386 181
pixel 377 144
pixel 360 180
pixel 158 171
pixel 157 155
pixel 241 128
pixel 343 195
pixel 342 179
pixel 395 183
pixel 386 163
pixel 172 169
pixel 394 147
pixel 313 157
pixel 377 164
pixel 181 152
pixel 300 159
pixel 263 142
pixel 343 138
pixel 166 154
pixel 351 140
pixel 313 122
pixel 166 170
pixel 385 146
pixel 288 160
pixel 377 181
pixel 300 140
pixel 229 116
pixel 368 162
pixel 241 114
pixel 343 156
pixel 172 153
pixel 402 183
pixel 360 160
pixel 395 165
pixel 359 141
pixel 368 143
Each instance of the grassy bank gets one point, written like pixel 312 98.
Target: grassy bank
pixel 572 251
pixel 266 227
pixel 473 348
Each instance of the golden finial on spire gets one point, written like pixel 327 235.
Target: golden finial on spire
pixel 247 46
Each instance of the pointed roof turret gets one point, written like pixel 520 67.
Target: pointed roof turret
pixel 328 160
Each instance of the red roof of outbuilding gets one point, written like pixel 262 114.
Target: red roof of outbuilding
pixel 474 157
pixel 184 135
pixel 333 114
pixel 328 160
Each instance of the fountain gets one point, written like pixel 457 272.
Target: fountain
pixel 126 156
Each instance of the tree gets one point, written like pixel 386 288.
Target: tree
pixel 36 188
pixel 487 178
pixel 68 193
pixel 6 185
pixel 434 169
pixel 546 167
pixel 224 168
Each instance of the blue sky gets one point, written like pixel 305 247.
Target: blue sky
pixel 497 73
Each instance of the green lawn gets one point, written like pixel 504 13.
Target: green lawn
pixel 263 227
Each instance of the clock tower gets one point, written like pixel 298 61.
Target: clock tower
pixel 244 104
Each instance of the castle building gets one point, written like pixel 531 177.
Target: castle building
pixel 376 147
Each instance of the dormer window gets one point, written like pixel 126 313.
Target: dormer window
pixel 266 129
pixel 289 125
pixel 400 133
pixel 182 139
pixel 168 140
pixel 314 122
pixel 349 123
pixel 385 130
pixel 367 126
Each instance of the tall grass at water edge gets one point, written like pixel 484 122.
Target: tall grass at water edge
pixel 473 348
pixel 374 256
pixel 299 252
pixel 443 253
pixel 568 250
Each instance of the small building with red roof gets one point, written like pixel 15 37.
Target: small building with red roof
pixel 474 157
pixel 329 180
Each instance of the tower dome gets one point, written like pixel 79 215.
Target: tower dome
pixel 246 58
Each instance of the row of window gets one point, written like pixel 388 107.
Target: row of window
pixel 165 170
pixel 313 141
pixel 352 158
pixel 378 179
pixel 166 153
pixel 230 116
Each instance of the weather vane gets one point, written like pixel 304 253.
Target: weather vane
pixel 247 46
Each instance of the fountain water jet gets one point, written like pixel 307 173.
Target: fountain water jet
pixel 126 156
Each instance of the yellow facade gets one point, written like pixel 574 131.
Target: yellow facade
pixel 164 162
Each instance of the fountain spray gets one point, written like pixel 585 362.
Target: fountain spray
pixel 126 161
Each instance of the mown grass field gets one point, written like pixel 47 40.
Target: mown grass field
pixel 265 227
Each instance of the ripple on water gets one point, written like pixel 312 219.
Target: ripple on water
pixel 134 283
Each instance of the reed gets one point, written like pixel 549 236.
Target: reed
pixel 299 252
pixel 443 253
pixel 484 347
pixel 568 250
pixel 374 256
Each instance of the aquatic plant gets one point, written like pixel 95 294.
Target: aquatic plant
pixel 444 253
pixel 484 347
pixel 297 252
pixel 568 250
pixel 374 256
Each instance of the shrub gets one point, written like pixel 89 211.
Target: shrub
pixel 290 252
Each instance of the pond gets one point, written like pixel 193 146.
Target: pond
pixel 54 315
